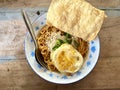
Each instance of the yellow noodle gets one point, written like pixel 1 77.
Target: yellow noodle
pixel 51 66
pixel 44 34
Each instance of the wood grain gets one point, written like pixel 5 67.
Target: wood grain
pixel 105 3
pixel 46 3
pixel 12 34
pixel 110 38
pixel 24 3
pixel 16 74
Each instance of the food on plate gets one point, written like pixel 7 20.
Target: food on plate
pixel 76 17
pixel 52 42
pixel 67 59
pixel 64 40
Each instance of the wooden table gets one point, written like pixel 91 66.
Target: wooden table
pixel 16 74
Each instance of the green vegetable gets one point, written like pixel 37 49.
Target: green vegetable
pixel 68 38
pixel 55 47
pixel 59 42
pixel 67 35
pixel 69 41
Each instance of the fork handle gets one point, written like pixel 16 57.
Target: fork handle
pixel 29 26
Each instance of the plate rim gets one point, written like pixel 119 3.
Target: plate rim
pixel 53 80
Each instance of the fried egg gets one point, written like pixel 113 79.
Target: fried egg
pixel 67 59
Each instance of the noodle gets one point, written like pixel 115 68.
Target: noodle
pixel 83 47
pixel 44 34
pixel 41 39
pixel 51 66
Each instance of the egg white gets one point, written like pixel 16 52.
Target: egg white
pixel 67 59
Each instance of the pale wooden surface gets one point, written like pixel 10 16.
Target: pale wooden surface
pixel 16 74
pixel 45 3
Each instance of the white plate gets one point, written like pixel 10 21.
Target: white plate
pixel 94 49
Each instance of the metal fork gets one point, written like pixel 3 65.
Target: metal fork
pixel 38 54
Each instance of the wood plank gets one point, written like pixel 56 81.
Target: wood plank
pixel 18 75
pixel 46 3
pixel 105 3
pixel 110 38
pixel 104 76
pixel 12 44
pixel 24 3
pixel 12 34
